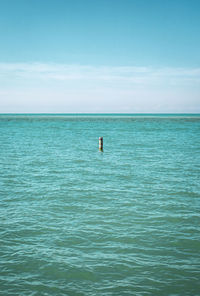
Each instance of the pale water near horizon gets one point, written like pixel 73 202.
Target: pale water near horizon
pixel 76 221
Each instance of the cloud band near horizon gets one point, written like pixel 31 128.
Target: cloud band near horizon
pixel 37 87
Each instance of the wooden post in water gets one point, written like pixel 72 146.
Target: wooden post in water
pixel 101 144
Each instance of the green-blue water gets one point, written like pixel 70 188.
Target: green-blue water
pixel 76 221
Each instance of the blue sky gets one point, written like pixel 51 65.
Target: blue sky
pixel 100 56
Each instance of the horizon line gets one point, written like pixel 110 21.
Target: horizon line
pixel 99 113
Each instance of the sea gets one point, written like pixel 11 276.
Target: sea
pixel 75 221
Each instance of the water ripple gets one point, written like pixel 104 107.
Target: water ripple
pixel 78 222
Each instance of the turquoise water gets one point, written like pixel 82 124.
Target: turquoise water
pixel 76 221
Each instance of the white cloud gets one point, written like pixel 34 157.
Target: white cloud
pixel 76 72
pixel 37 87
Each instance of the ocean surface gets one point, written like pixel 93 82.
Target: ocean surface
pixel 76 221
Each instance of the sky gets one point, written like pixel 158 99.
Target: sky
pixel 86 56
